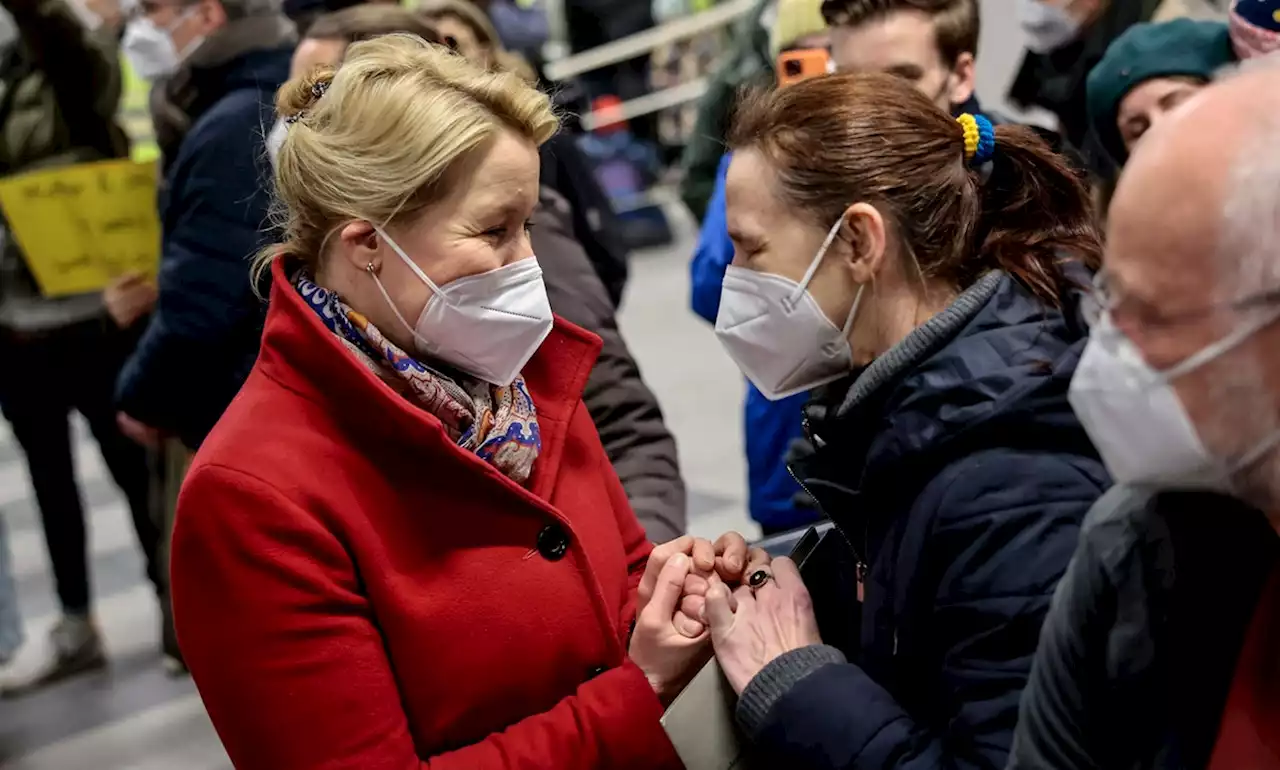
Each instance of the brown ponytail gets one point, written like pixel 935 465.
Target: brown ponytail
pixel 1036 212
pixel 837 140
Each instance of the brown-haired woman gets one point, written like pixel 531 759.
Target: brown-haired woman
pixel 940 295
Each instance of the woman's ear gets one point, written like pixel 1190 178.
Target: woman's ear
pixel 864 230
pixel 358 242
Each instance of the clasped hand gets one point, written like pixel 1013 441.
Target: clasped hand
pixel 693 597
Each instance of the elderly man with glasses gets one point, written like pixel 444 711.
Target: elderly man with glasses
pixel 1160 650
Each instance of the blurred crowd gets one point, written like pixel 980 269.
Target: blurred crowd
pixel 405 498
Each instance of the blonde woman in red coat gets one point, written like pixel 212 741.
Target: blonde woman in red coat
pixel 403 545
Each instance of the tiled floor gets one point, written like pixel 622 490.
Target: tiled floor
pixel 135 717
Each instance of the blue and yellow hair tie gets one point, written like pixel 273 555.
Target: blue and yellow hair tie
pixel 979 138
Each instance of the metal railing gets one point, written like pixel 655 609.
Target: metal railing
pixel 560 67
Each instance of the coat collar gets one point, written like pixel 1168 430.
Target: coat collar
pixel 304 357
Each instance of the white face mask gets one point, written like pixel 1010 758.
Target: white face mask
pixel 487 325
pixel 1048 27
pixel 1138 423
pixel 150 49
pixel 774 330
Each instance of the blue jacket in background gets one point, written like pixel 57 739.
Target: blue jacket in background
pixel 956 468
pixel 769 426
pixel 203 337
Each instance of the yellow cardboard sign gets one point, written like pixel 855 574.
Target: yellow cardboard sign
pixel 81 226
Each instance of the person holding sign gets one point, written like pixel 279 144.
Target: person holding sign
pixel 61 344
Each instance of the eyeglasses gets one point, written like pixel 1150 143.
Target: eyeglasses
pixel 1109 298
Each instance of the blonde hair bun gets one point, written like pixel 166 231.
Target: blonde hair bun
pixel 375 139
pixel 298 95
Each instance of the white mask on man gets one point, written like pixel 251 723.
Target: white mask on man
pixel 1136 420
pixel 487 325
pixel 149 47
pixel 1048 27
pixel 774 330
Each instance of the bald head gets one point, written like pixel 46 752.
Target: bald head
pixel 1192 260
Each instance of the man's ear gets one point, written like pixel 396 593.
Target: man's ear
pixel 963 78
pixel 863 232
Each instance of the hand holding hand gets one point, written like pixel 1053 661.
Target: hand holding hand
pixel 668 658
pixel 734 561
pixel 128 298
pixel 751 627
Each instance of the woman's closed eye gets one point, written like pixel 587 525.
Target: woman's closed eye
pixel 501 232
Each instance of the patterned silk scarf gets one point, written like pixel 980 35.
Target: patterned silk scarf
pixel 498 424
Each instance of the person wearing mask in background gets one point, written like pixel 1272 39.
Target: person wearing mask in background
pixel 1160 650
pixel 220 60
pixel 1065 40
pixel 775 501
pixel 932 270
pixel 1255 27
pixel 625 411
pixel 1146 73
pixel 61 89
pixel 403 544
pixel 466 29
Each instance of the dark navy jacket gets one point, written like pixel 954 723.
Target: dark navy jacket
pixel 203 338
pixel 957 469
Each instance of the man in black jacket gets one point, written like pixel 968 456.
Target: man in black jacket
pixel 220 62
pixel 1147 657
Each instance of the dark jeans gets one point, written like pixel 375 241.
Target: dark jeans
pixel 45 376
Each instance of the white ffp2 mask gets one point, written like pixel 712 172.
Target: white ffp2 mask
pixel 150 50
pixel 1048 27
pixel 775 332
pixel 1137 422
pixel 487 325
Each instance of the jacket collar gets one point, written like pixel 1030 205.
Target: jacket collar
pixel 994 367
pixel 303 356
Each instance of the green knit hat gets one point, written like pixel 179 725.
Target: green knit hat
pixel 1182 47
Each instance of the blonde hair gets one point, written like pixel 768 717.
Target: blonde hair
pixel 376 139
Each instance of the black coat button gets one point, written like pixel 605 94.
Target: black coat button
pixel 553 542
pixel 597 671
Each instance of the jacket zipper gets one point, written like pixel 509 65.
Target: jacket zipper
pixel 860 567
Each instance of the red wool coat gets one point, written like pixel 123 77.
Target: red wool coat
pixel 352 590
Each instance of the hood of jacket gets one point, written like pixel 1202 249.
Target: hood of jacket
pixel 992 370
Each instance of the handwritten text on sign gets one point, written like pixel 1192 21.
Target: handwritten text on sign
pixel 81 226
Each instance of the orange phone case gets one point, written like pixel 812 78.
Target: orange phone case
pixel 794 66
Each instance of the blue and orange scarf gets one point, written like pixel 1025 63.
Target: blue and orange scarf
pixel 499 424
